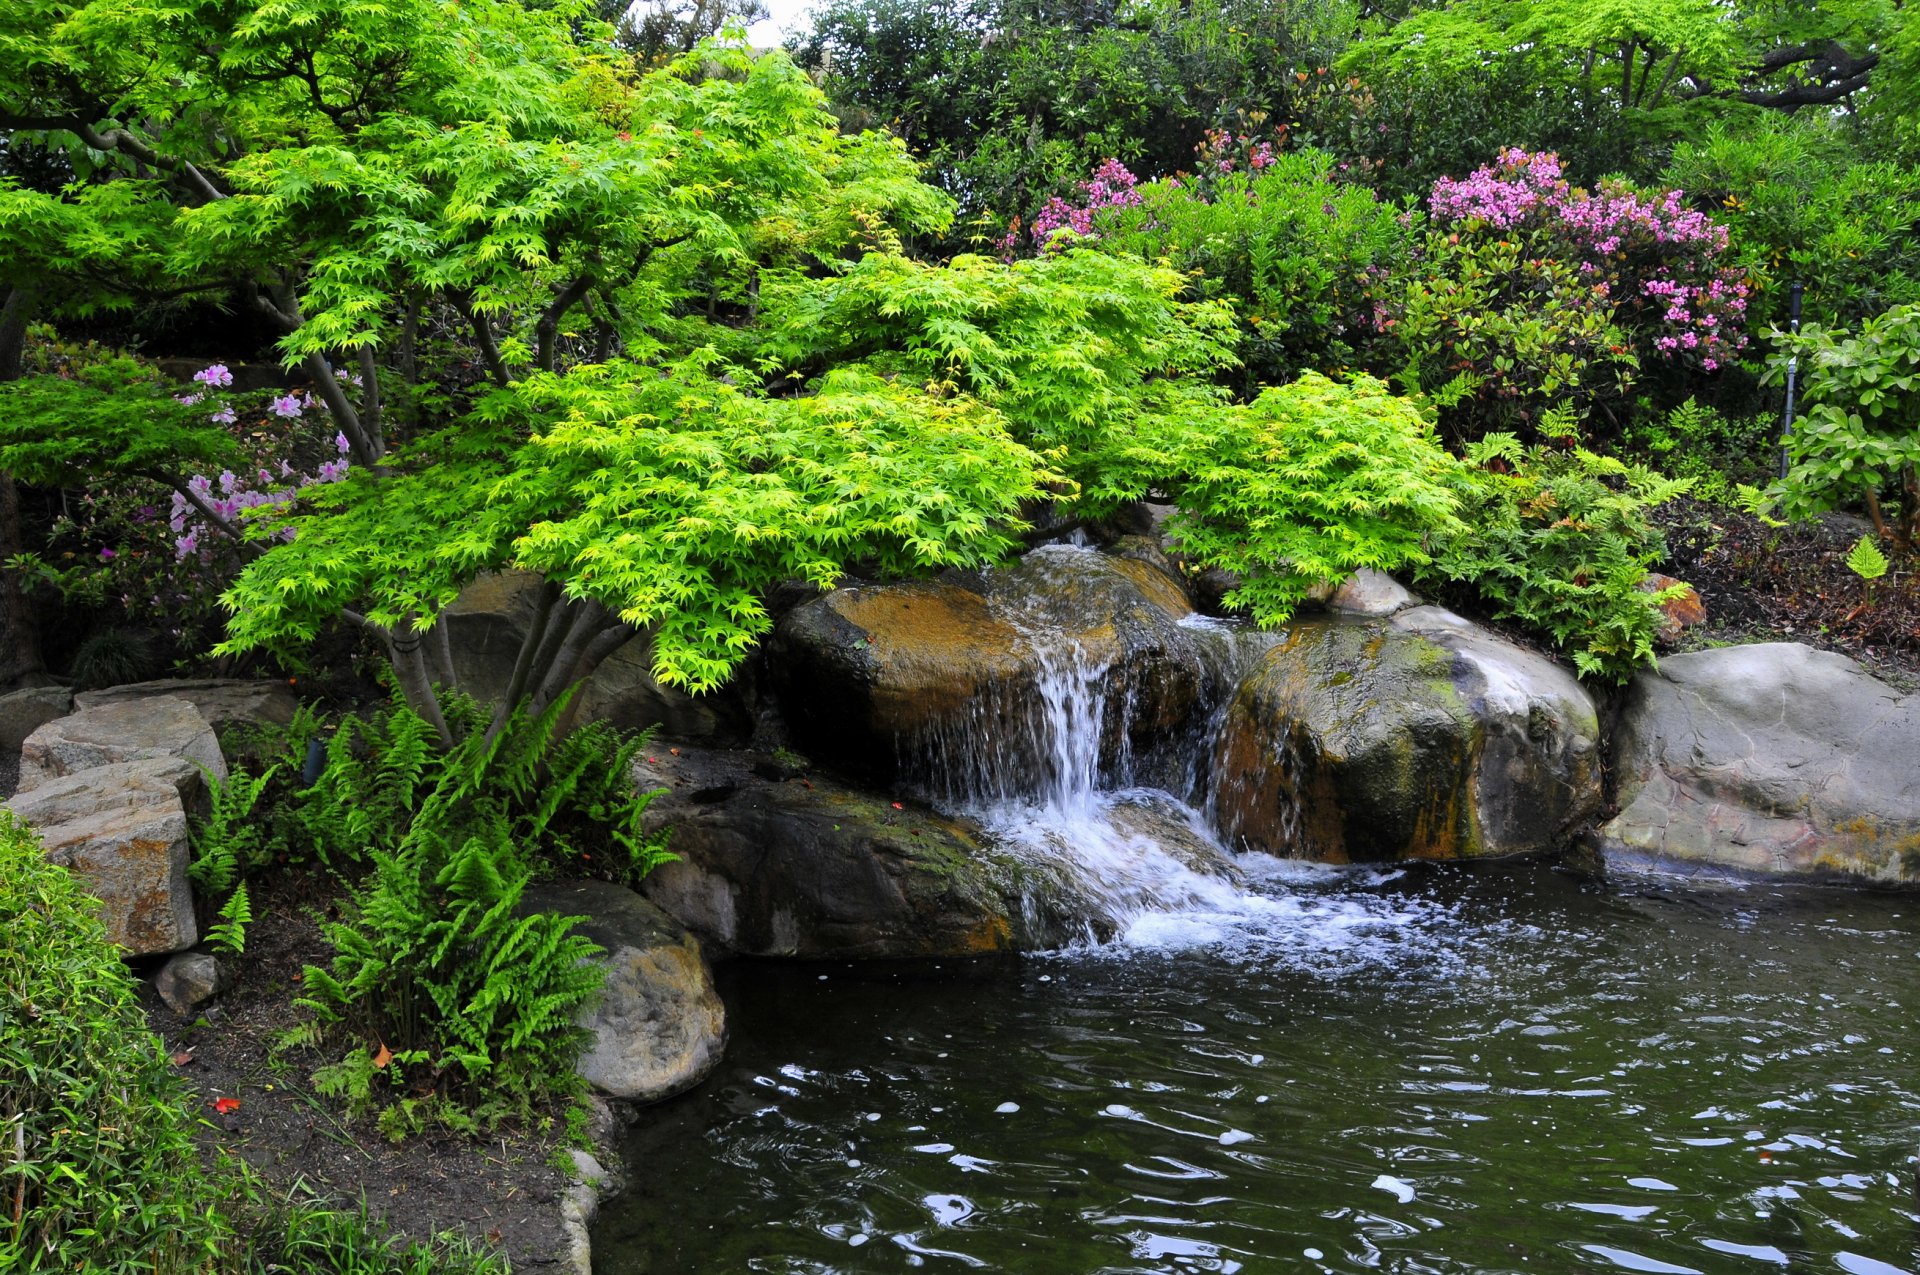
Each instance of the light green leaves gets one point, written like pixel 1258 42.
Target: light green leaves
pixel 1866 561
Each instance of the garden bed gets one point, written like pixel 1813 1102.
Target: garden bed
pixel 502 1192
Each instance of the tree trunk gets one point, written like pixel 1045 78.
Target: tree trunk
pixel 19 637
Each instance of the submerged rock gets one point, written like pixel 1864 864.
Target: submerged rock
pixel 131 730
pixel 939 678
pixel 1418 737
pixel 1773 758
pixel 807 866
pixel 123 829
pixel 658 1027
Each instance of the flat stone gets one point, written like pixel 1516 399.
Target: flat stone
pixel 189 980
pixel 132 730
pixel 25 711
pixel 658 1027
pixel 224 702
pixel 1772 759
pixel 1677 614
pixel 882 679
pixel 123 828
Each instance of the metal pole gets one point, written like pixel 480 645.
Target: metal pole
pixel 1793 368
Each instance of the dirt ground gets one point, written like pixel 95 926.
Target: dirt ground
pixel 502 1192
pixel 1792 584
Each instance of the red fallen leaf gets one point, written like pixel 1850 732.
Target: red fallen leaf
pixel 898 806
pixel 674 751
pixel 226 1106
pixel 182 1058
pixel 385 1056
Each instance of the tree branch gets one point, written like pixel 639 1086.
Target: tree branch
pixel 483 337
pixel 547 330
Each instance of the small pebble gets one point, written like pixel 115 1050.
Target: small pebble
pixel 1006 1108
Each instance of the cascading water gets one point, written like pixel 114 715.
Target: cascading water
pixel 1111 843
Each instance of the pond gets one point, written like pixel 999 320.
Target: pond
pixel 1511 1069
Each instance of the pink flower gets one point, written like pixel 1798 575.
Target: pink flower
pixel 215 375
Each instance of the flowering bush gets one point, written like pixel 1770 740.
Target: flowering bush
pixel 1654 256
pixel 119 548
pixel 1111 186
pixel 1532 294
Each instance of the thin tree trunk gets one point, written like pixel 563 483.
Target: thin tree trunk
pixel 19 636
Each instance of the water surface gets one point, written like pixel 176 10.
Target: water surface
pixel 1506 1070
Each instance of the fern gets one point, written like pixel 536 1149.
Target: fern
pixel 1866 561
pixel 434 955
pixel 230 935
pixel 1560 545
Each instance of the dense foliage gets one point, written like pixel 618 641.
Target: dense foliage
pixel 1560 541
pixel 447 999
pixel 102 1171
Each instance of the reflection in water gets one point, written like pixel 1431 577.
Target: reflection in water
pixel 1503 1071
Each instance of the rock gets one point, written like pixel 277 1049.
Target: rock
pixel 1774 759
pixel 163 726
pixel 1371 593
pixel 1677 614
pixel 224 702
pixel 659 1026
pixel 938 678
pixel 188 980
pixel 25 711
pixel 123 827
pixel 485 626
pixel 1419 737
pixel 811 867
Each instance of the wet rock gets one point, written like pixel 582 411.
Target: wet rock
pixel 188 980
pixel 1371 593
pixel 812 867
pixel 24 711
pixel 224 702
pixel 1419 737
pixel 485 626
pixel 162 726
pixel 1774 759
pixel 123 828
pixel 659 1026
pixel 1677 614
pixel 915 677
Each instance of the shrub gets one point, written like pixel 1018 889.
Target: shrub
pixel 1297 252
pixel 1860 437
pixel 99 1171
pixel 1555 264
pixel 439 984
pixel 1724 455
pixel 1802 207
pixel 1559 542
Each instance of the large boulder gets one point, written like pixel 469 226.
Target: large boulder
pixel 223 701
pixel 131 730
pixel 1774 759
pixel 123 829
pixel 944 678
pixel 25 711
pixel 658 1026
pixel 1421 736
pixel 777 862
pixel 486 624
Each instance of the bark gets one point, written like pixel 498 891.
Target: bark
pixel 19 637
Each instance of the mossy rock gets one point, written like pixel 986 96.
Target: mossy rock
pixel 1416 737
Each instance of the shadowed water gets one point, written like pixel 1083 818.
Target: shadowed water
pixel 1498 1071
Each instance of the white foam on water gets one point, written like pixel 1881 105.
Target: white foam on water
pixel 1131 869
